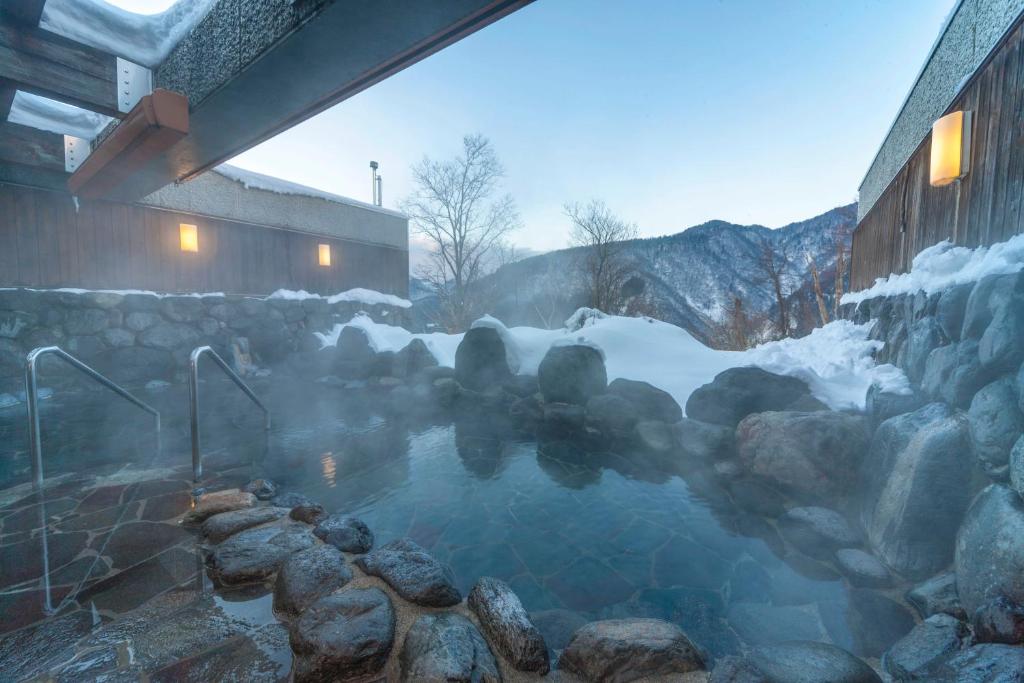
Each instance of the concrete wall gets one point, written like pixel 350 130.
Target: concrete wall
pixel 216 195
pixel 971 33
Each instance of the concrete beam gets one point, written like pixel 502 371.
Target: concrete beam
pixel 31 146
pixel 254 68
pixel 27 12
pixel 50 65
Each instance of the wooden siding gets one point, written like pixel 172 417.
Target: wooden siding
pixel 911 215
pixel 45 242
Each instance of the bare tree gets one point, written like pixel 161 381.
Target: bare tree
pixel 601 234
pixel 819 295
pixel 739 337
pixel 842 259
pixel 775 267
pixel 456 207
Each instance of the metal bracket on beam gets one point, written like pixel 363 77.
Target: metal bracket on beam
pixel 75 152
pixel 133 83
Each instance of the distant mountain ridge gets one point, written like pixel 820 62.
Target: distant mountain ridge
pixel 688 279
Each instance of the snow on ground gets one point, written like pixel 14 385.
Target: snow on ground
pixel 358 295
pixel 834 360
pixel 257 181
pixel 944 265
pixel 145 39
pixel 64 119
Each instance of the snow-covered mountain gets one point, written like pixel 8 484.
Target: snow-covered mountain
pixel 690 278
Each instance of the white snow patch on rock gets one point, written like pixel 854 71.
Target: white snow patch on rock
pixel 944 265
pixel 357 295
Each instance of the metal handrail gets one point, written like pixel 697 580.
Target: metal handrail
pixel 35 438
pixel 193 396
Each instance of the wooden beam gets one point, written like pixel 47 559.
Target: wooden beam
pixel 50 65
pixel 27 12
pixel 31 147
pixel 6 99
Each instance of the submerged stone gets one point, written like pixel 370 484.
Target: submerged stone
pixel 809 662
pixel 704 441
pixel 413 573
pixel 307 576
pixel 446 647
pixel 344 636
pixel 817 531
pixel 619 650
pixel 508 626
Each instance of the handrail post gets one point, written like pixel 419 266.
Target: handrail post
pixel 193 395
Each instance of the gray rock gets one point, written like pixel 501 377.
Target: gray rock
pixel 85 346
pixel 738 392
pixel 611 414
pixel 307 576
pixel 817 531
pixel 117 337
pixel 937 595
pixel 949 312
pixel 704 441
pixel 996 423
pixel 353 355
pixel 347 534
pixel 651 402
pixel 985 663
pixel 412 573
pixel 990 549
pixel 875 621
pixel 809 662
pixel 881 405
pixel 655 436
pixel 480 360
pixel 182 309
pixel 508 626
pixel 216 502
pixel 736 670
pixel 412 359
pixel 923 337
pixel 290 500
pixel 1017 466
pixel 255 554
pixel 85 321
pixel 755 496
pixel 263 489
pixel 999 621
pixel 225 524
pixel 954 374
pixel 169 336
pixel 572 374
pixel 1000 348
pixel 619 650
pixel 563 418
pixel 928 644
pixel 137 321
pixel 344 636
pixel 309 513
pixel 914 492
pixel 861 569
pixel 446 647
pixel 813 456
pixel 983 302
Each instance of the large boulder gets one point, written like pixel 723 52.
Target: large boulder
pixel 169 336
pixel 738 392
pixel 344 636
pixel 216 502
pixel 353 355
pixel 447 648
pixel 924 336
pixel 256 554
pixel 651 402
pixel 1000 348
pixel 611 414
pixel 799 662
pixel 990 549
pixel 881 404
pixel 927 644
pixel 307 576
pixel 221 526
pixel 508 626
pixel 986 298
pixel 996 423
pixel 480 360
pixel 954 374
pixel 949 312
pixel 814 456
pixel 347 534
pixel 412 359
pixel 572 373
pixel 985 663
pixel 619 650
pixel 862 569
pixel 413 573
pixel 914 489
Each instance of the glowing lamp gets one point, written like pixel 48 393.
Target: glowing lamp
pixel 951 148
pixel 188 235
pixel 324 251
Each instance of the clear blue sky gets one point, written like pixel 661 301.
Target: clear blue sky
pixel 674 112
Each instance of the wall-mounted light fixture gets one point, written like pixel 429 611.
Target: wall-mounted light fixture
pixel 188 236
pixel 324 252
pixel 951 148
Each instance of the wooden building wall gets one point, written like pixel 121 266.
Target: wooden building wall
pixel 911 215
pixel 45 243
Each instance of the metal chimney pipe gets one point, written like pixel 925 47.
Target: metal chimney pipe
pixel 380 191
pixel 373 182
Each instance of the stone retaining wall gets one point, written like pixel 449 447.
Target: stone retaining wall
pixel 136 338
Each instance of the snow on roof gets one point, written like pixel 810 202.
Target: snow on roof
pixel 257 181
pixel 46 114
pixel 145 39
pixel 944 265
